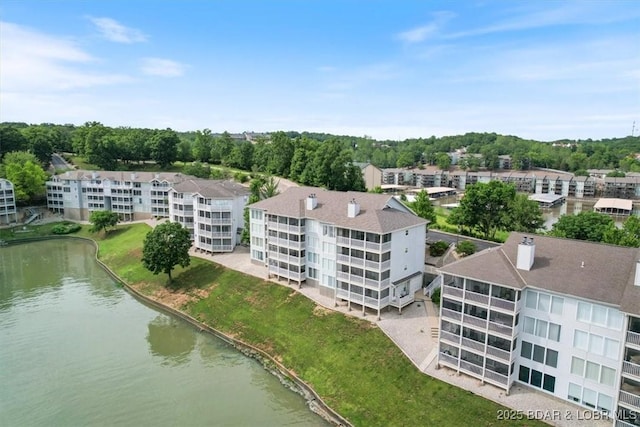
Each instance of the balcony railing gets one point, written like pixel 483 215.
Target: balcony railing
pixel 498 352
pixel 476 321
pixel 630 399
pixel 282 272
pixel 448 336
pixel 501 303
pixel 473 296
pixel 447 358
pixel 501 329
pixel 478 346
pixel 620 423
pixel 475 369
pixel 633 338
pixel 631 368
pixel 496 377
pixel 451 314
pixel 449 290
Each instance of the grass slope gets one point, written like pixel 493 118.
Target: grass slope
pixel 348 361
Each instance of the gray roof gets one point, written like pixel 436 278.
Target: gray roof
pixel 86 175
pixel 606 276
pixel 379 213
pixel 219 189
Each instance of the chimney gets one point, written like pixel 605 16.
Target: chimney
pixel 353 209
pixel 312 202
pixel 636 281
pixel 526 254
pixel 94 175
pixel 133 176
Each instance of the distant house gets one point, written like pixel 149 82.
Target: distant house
pixel 371 174
pixel 8 211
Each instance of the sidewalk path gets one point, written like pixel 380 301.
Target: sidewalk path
pixel 413 332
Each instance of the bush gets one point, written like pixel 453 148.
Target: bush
pixel 438 248
pixel 241 177
pixel 435 297
pixel 65 228
pixel 466 248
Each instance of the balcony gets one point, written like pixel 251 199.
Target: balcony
pixel 448 336
pixel 473 296
pixel 470 367
pixel 503 304
pixel 451 291
pixel 499 353
pixel 448 359
pixel 631 369
pixel 620 423
pixel 282 272
pixel 501 329
pixel 633 338
pixel 630 399
pixel 451 314
pixel 500 379
pixel 475 321
pixel 475 345
pixel 287 243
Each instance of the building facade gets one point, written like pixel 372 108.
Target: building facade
pixel 362 248
pixel 212 211
pixel 133 195
pixel 8 210
pixel 561 316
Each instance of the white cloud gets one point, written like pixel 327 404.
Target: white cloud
pixel 162 67
pixel 421 33
pixel 34 62
pixel 113 31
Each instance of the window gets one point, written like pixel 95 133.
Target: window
pixel 599 315
pixel 541 328
pixel 552 358
pixel 589 397
pixel 584 312
pixel 577 366
pixel 526 349
pixel 580 339
pixel 595 344
pixel 593 371
pixel 524 374
pixel 531 300
pixel 529 324
pixel 611 348
pixel 605 403
pixel 538 354
pixel 312 273
pixel 536 378
pixel 554 332
pixel 556 305
pixel 549 383
pixel 544 302
pixel 608 376
pixel 615 319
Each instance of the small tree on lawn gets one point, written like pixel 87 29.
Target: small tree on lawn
pixel 102 220
pixel 166 246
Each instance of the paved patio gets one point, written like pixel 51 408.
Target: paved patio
pixel 414 331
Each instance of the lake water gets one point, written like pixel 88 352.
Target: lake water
pixel 77 350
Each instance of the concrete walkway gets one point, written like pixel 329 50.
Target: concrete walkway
pixel 414 331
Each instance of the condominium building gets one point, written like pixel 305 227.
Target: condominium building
pixel 8 211
pixel 362 248
pixel 559 315
pixel 212 210
pixel 133 195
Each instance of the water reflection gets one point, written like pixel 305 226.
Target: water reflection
pixel 168 339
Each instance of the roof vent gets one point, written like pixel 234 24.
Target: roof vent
pixel 353 208
pixel 526 254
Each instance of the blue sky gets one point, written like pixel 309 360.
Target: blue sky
pixel 544 70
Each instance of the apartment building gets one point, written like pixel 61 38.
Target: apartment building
pixel 212 210
pixel 133 195
pixel 363 248
pixel 8 211
pixel 559 315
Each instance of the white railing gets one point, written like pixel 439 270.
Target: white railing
pixel 286 273
pixel 501 329
pixel 498 352
pixel 372 265
pixel 372 283
pixel 223 221
pixel 402 301
pixel 470 367
pixel 448 290
pixel 630 399
pixel 476 321
pixel 385 247
pixel 342 293
pixel 342 275
pixel 435 284
pixel 478 346
pixel 501 303
pixel 345 259
pixel 359 262
pixel 372 246
pixel 620 423
pixel 494 376
pixel 451 314
pixel 356 243
pixel 631 368
pixel 344 241
pixel 222 248
pixel 453 338
pixel 633 338
pixel 473 296
pixel 371 302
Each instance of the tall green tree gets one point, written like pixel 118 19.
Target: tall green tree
pixel 628 235
pixel 202 145
pixel 423 208
pixel 164 147
pixel 485 208
pixel 11 139
pixel 165 247
pixel 586 225
pixel 24 171
pixel 39 142
pixel 525 215
pixel 101 220
pixel 443 161
pixel 221 147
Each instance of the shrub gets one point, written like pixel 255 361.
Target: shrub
pixel 435 297
pixel 438 248
pixel 466 248
pixel 65 228
pixel 241 177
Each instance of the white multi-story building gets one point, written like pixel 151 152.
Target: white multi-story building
pixel 133 195
pixel 212 210
pixel 8 211
pixel 362 248
pixel 562 316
